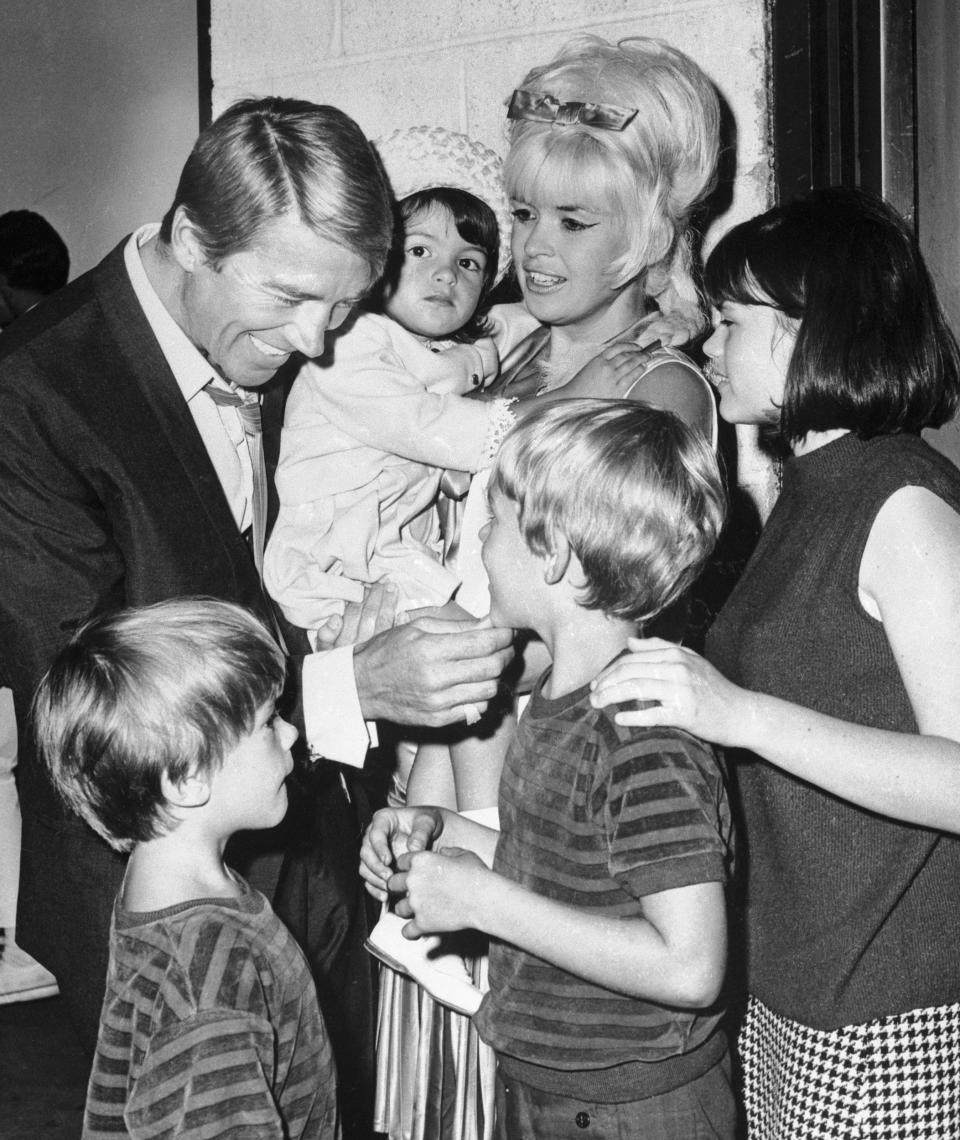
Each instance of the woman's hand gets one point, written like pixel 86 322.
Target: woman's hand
pixel 689 693
pixel 393 833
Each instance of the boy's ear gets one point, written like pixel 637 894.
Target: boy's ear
pixel 190 792
pixel 557 561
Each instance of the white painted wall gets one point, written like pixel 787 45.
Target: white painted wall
pixel 395 63
pixel 99 110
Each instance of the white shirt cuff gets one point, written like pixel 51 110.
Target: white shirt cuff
pixel 332 718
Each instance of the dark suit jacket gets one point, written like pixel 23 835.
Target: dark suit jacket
pixel 107 499
pixel 107 495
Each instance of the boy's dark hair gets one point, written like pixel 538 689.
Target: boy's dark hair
pixel 32 254
pixel 873 352
pixel 634 491
pixel 163 689
pixel 476 223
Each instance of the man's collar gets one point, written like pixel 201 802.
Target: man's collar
pixel 191 369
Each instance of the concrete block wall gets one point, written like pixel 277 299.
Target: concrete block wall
pixel 396 63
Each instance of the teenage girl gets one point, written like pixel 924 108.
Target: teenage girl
pixel 832 674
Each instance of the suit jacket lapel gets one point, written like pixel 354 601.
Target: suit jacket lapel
pixel 149 371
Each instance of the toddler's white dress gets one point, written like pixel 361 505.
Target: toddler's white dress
pixel 366 438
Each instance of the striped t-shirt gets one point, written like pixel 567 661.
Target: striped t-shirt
pixel 596 815
pixel 210 1028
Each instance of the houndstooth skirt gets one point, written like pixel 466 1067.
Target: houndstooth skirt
pixel 897 1078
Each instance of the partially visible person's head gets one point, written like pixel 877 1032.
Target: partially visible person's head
pixel 34 262
pixel 629 128
pixel 281 223
pixel 163 691
pixel 633 492
pixel 452 239
pixel 870 350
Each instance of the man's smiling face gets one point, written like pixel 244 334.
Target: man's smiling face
pixel 278 296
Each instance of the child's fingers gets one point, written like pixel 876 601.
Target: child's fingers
pixel 374 886
pixel 412 931
pixel 397 885
pixel 426 829
pixel 376 613
pixel 378 849
pixel 375 876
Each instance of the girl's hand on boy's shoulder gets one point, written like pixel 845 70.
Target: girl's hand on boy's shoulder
pixel 675 687
pixel 444 890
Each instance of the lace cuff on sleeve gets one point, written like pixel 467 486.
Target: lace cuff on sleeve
pixel 501 421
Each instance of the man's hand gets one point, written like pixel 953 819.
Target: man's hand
pixel 430 671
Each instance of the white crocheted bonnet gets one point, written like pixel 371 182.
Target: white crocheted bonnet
pixel 421 158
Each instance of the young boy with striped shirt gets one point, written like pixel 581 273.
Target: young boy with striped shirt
pixel 603 894
pixel 160 729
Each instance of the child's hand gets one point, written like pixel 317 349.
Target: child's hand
pixel 363 620
pixel 472 367
pixel 444 890
pixel 393 832
pixel 489 359
pixel 327 635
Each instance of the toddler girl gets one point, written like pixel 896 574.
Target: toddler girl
pixel 369 430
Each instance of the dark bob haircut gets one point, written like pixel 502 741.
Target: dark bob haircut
pixel 873 352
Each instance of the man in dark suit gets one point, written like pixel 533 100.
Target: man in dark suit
pixel 124 481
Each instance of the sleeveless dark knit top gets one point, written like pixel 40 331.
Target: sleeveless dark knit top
pixel 849 916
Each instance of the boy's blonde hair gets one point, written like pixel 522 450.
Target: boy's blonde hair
pixel 635 492
pixel 163 689
pixel 654 171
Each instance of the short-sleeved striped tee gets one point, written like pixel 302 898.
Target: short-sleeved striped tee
pixel 597 816
pixel 210 1028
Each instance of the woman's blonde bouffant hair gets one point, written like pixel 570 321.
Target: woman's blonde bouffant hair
pixel 656 170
